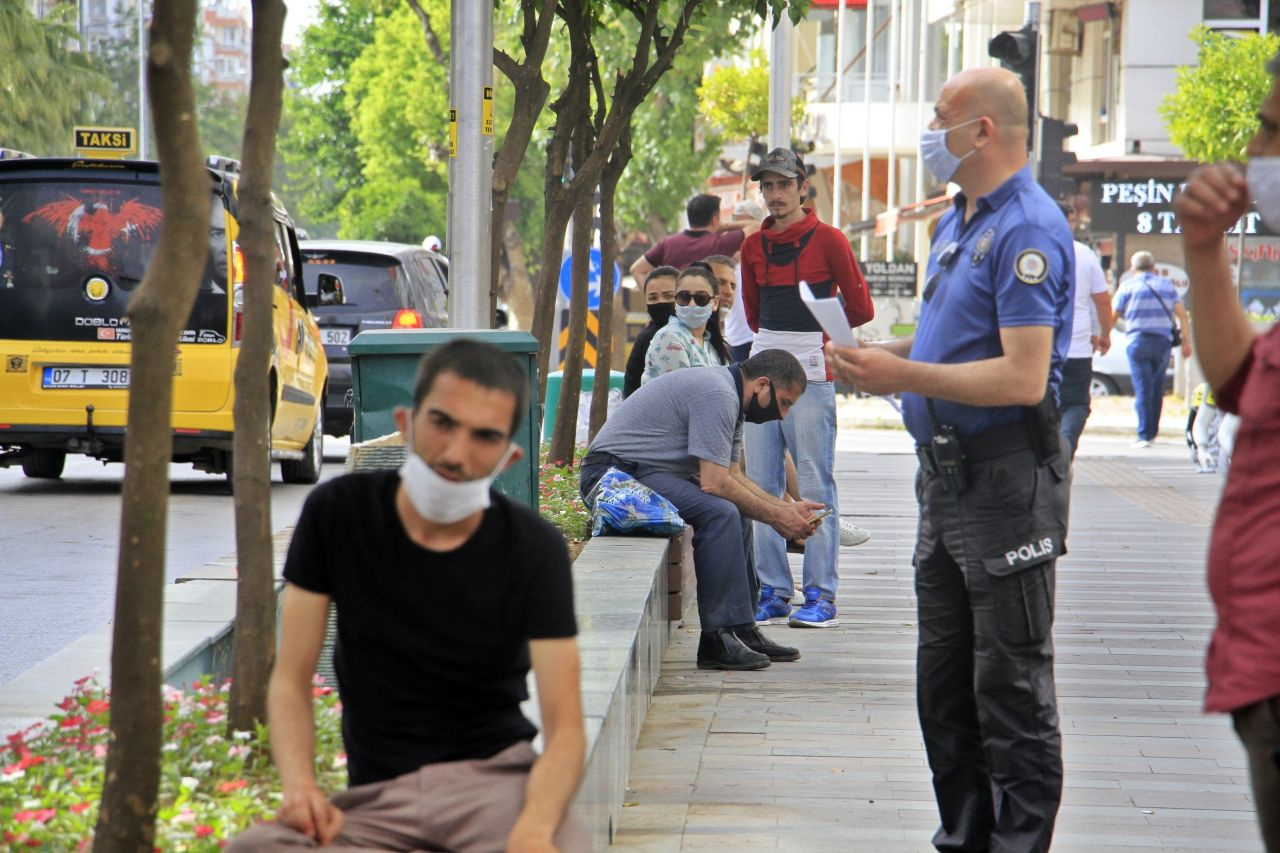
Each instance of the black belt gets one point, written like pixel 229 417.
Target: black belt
pixel 985 446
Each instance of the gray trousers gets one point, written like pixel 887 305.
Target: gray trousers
pixel 464 806
pixel 1258 726
pixel 984 674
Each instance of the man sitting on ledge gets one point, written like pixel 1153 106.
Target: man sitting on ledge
pixel 680 434
pixel 438 753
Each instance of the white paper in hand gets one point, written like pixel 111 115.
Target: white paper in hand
pixel 830 314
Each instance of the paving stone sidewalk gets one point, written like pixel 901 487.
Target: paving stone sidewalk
pixel 825 753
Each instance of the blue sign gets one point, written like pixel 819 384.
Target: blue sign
pixel 593 279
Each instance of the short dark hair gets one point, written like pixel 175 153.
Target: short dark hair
pixel 721 259
pixel 701 209
pixel 663 271
pixel 478 362
pixel 778 366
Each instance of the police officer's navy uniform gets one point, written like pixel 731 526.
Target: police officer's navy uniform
pixel 985 554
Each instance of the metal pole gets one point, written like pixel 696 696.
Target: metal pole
pixel 142 82
pixel 780 83
pixel 921 121
pixel 837 140
pixel 891 194
pixel 864 244
pixel 467 238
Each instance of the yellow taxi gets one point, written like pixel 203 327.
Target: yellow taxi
pixel 75 239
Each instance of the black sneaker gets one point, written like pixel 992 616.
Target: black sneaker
pixel 753 639
pixel 723 650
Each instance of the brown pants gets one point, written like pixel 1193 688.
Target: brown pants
pixel 1258 726
pixel 462 806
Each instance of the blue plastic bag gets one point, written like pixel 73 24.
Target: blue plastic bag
pixel 622 504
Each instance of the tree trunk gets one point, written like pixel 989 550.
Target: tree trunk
pixel 531 96
pixel 126 819
pixel 255 626
pixel 564 438
pixel 608 252
pixel 519 290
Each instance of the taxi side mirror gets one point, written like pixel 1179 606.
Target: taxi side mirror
pixel 330 289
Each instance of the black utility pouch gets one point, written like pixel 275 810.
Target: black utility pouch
pixel 1044 426
pixel 949 459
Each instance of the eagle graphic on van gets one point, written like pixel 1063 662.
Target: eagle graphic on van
pixel 93 225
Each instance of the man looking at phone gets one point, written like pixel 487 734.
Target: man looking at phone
pixel 680 434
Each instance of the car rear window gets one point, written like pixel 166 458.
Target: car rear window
pixel 73 252
pixel 369 282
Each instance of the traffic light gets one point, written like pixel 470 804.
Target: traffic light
pixel 1054 132
pixel 1019 52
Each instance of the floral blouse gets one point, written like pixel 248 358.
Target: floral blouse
pixel 674 347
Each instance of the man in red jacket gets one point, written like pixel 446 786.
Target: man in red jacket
pixel 793 246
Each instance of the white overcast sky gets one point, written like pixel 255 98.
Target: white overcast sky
pixel 301 13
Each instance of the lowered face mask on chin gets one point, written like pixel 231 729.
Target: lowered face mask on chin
pixel 442 500
pixel 1264 185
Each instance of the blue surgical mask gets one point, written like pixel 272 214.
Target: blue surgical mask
pixel 938 159
pixel 694 317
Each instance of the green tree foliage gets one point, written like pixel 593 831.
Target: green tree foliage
pixel 47 83
pixel 734 100
pixel 1212 113
pixel 324 157
pixel 398 102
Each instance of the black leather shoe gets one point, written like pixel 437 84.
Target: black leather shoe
pixel 752 638
pixel 723 650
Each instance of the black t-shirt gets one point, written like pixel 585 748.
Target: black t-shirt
pixel 635 361
pixel 432 650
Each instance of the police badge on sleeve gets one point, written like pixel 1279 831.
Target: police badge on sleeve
pixel 1031 267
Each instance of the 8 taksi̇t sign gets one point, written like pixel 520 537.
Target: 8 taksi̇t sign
pixel 1146 207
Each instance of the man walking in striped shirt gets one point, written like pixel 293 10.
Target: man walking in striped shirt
pixel 1148 304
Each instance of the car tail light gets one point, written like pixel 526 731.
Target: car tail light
pixel 407 318
pixel 237 293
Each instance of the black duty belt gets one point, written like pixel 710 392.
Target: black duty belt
pixel 985 446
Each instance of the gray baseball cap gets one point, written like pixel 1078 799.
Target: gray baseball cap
pixel 783 161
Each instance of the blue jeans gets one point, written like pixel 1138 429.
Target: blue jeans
pixel 727 589
pixel 809 432
pixel 1148 361
pixel 1073 399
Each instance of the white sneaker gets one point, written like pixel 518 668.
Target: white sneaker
pixel 851 534
pixel 1142 442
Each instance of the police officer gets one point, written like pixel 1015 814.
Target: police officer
pixel 978 382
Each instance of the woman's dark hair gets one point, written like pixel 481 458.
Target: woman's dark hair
pixel 698 269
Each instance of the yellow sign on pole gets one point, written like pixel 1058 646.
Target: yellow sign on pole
pixel 453 133
pixel 486 112
pixel 105 141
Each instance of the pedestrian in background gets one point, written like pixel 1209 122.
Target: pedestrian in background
pixel 1154 317
pixel 660 303
pixel 793 246
pixel 978 381
pixel 1091 308
pixel 706 235
pixel 691 338
pixel 1243 369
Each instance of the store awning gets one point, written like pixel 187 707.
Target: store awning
pixel 886 223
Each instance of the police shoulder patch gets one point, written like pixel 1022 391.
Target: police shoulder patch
pixel 1031 267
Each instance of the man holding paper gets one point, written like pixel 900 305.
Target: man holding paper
pixel 793 246
pixel 979 381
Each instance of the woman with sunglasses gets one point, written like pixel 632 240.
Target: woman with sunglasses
pixel 692 338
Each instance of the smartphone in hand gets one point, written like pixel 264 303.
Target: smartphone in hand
pixel 822 515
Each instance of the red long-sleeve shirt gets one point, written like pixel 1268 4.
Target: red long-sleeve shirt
pixel 808 250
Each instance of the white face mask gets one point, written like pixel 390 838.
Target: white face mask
pixel 694 317
pixel 1264 185
pixel 446 501
pixel 937 157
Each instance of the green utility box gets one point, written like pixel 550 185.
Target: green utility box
pixel 384 364
pixel 616 380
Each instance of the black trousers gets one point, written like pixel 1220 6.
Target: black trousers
pixel 988 710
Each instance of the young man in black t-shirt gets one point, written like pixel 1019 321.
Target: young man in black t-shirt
pixel 438 752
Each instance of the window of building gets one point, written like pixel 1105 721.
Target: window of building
pixel 1242 15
